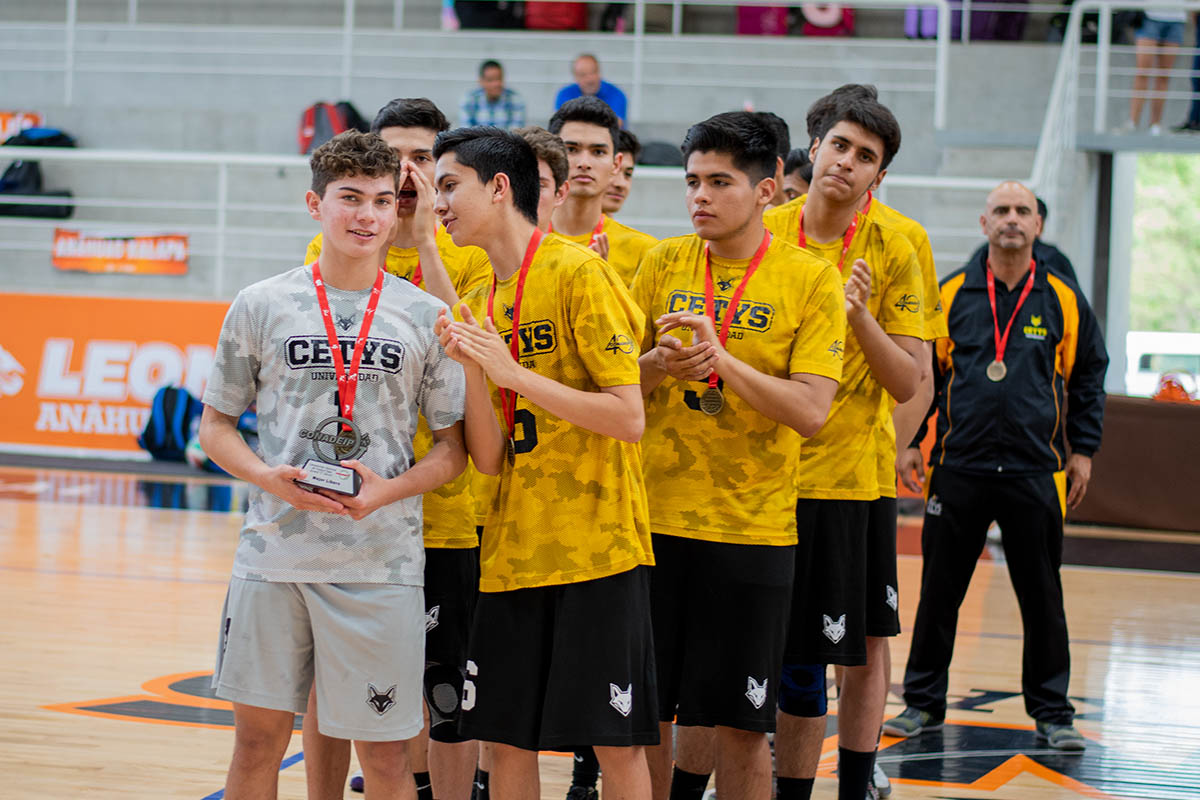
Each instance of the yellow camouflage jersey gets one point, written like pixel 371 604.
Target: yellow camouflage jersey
pixel 935 323
pixel 626 246
pixel 730 477
pixel 840 462
pixel 449 510
pixel 573 507
pixel 888 217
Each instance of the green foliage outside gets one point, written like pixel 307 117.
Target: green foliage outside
pixel 1165 285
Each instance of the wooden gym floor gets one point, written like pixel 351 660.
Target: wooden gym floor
pixel 112 585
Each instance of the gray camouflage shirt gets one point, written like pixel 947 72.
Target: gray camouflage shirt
pixel 274 351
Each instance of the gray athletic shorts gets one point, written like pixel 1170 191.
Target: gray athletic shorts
pixel 363 643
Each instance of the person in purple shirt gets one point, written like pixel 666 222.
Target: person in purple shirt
pixel 586 70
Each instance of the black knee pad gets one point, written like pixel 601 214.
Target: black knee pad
pixel 802 690
pixel 443 685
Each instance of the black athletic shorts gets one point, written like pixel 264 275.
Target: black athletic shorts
pixel 561 667
pixel 720 616
pixel 883 598
pixel 829 602
pixel 451 587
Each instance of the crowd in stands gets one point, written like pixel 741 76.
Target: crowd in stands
pixel 993 22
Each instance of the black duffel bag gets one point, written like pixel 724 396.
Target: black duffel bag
pixel 25 177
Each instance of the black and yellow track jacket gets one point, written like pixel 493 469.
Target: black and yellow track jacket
pixel 1054 389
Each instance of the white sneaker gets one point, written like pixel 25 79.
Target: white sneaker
pixel 1126 128
pixel 1156 130
pixel 880 779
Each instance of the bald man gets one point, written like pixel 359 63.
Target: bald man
pixel 1025 363
pixel 585 69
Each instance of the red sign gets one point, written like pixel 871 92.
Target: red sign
pixel 165 254
pixel 77 374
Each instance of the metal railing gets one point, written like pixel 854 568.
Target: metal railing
pixel 1060 126
pixel 244 228
pixel 352 48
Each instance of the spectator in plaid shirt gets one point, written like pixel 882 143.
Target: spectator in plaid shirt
pixel 491 103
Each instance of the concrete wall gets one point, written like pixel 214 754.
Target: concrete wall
pixel 243 90
pixel 167 89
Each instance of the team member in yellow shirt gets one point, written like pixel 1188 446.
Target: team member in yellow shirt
pixel 590 131
pixel 630 150
pixel 552 185
pixel 838 476
pixel 724 421
pixel 883 618
pixel 561 649
pixel 422 253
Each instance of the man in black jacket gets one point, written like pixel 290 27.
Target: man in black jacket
pixel 1023 346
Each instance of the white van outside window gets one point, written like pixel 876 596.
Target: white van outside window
pixel 1149 354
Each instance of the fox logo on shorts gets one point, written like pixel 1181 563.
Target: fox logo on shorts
pixel 621 699
pixel 756 692
pixel 893 598
pixel 834 631
pixel 431 618
pixel 934 507
pixel 381 701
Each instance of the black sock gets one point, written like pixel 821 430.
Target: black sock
pixel 480 790
pixel 854 771
pixel 587 768
pixel 794 788
pixel 424 785
pixel 687 785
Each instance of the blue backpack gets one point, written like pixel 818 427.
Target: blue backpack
pixel 169 426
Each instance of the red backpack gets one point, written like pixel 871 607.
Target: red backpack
pixel 322 121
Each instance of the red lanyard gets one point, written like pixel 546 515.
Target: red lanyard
pixel 596 231
pixel 417 275
pixel 508 398
pixel 731 311
pixel 847 239
pixel 1002 341
pixel 347 382
pixel 867 208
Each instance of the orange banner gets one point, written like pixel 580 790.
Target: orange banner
pixel 77 374
pixel 13 122
pixel 165 254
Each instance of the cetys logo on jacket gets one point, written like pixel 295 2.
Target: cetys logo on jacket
pixel 1034 329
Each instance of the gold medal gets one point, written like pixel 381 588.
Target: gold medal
pixel 510 451
pixel 712 401
pixel 996 371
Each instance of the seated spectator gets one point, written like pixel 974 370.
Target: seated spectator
pixel 586 70
pixel 502 14
pixel 491 103
pixel 920 22
pixel 797 173
pixel 1158 42
pixel 759 20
